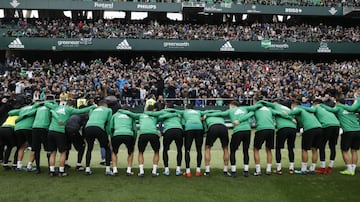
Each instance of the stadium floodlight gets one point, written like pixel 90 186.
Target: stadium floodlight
pixel 2 14
pixel 175 16
pixel 244 16
pixel 280 18
pixel 288 17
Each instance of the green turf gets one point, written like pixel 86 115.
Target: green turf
pixel 22 186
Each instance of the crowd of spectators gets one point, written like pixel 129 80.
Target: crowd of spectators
pixel 203 81
pixel 115 29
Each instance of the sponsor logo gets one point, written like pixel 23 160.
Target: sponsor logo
pixel 212 9
pixel 103 5
pixel 71 44
pixel 285 108
pixel 293 10
pixel 323 48
pixel 191 111
pixel 14 3
pixel 86 41
pixel 253 10
pixel 68 43
pixel 146 6
pixel 61 111
pixel 123 116
pixel 347 112
pixel 264 109
pixel 267 44
pixel 16 44
pixel 239 111
pixel 332 11
pixel 99 109
pixel 124 45
pixel 227 47
pixel 176 44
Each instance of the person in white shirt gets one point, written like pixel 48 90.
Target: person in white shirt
pixel 142 94
pixel 162 61
pixel 19 87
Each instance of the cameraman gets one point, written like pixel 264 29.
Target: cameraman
pixel 5 107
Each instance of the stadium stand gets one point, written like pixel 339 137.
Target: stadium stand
pixel 324 34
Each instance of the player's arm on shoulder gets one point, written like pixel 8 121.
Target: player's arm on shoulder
pixel 294 111
pixel 54 114
pixel 32 112
pixel 330 109
pixel 267 103
pixel 168 115
pixel 83 110
pixel 51 105
pixel 351 108
pixel 254 107
pixel 309 109
pixel 158 113
pixel 283 114
pixel 14 112
pixel 218 113
pixel 246 116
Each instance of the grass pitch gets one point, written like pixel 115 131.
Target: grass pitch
pixel 22 186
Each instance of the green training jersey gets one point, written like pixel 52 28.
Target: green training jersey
pixel 26 117
pixel 170 120
pixel 43 116
pixel 122 124
pixel 241 114
pixel 148 124
pixel 306 119
pixel 281 122
pixel 212 120
pixel 146 121
pixel 192 119
pixel 264 119
pixel 61 114
pixel 100 117
pixel 325 117
pixel 348 120
pixel 355 107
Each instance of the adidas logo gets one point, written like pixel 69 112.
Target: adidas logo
pixel 16 44
pixel 124 45
pixel 227 47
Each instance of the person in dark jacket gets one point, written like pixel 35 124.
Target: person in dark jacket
pixel 5 107
pixel 76 123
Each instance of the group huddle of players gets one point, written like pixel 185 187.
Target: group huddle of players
pixel 56 127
